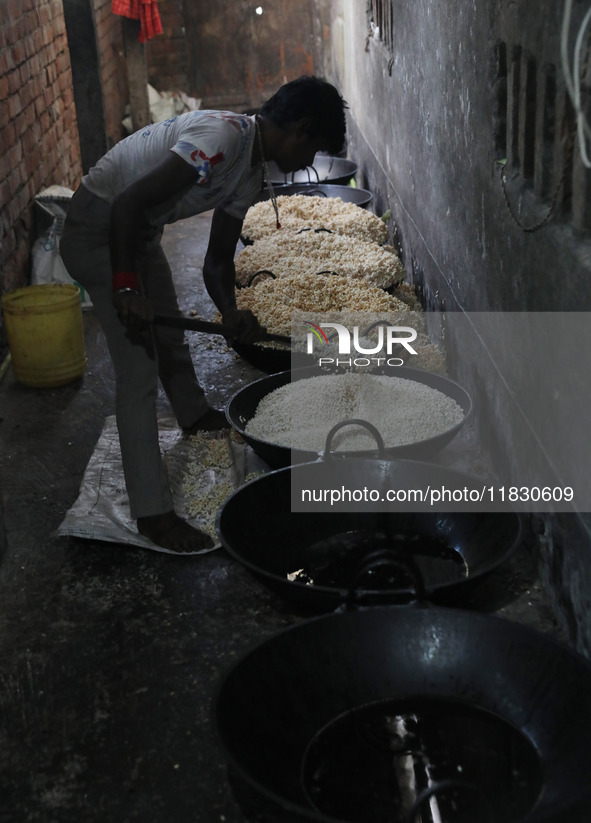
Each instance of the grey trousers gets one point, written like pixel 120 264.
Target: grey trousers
pixel 84 249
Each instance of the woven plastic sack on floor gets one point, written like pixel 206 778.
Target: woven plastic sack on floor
pixel 47 266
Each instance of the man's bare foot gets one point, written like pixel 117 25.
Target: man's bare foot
pixel 212 420
pixel 173 533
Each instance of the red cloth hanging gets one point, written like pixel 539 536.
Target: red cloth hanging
pixel 146 11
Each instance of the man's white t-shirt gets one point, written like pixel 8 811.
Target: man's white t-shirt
pixel 218 144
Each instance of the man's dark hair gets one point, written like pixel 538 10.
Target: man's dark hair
pixel 313 98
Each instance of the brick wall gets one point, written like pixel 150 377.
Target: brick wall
pixel 229 56
pixel 113 68
pixel 38 133
pixel 167 54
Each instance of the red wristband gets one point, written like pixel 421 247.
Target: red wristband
pixel 125 280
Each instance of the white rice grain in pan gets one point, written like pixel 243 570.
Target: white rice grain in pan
pixel 300 414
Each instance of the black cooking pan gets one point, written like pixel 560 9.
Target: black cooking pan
pixel 325 169
pixel 348 194
pixel 268 359
pixel 265 358
pixel 242 407
pixel 368 714
pixel 312 557
pixel 271 359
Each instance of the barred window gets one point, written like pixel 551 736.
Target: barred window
pixel 381 14
pixel 535 136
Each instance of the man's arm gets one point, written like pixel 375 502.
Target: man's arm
pixel 219 275
pixel 171 177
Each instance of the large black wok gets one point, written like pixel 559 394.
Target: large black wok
pixel 321 722
pixel 243 404
pixel 349 194
pixel 268 359
pixel 312 557
pixel 325 169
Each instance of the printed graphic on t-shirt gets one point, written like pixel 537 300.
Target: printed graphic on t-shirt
pixel 204 169
pixel 238 122
pixel 197 158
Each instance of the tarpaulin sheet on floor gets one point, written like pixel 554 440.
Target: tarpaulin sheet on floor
pixel 203 471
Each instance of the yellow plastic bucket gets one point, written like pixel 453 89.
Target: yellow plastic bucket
pixel 45 334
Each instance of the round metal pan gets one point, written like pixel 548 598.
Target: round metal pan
pixel 452 550
pixel 269 359
pixel 325 169
pixel 348 194
pixel 281 700
pixel 243 404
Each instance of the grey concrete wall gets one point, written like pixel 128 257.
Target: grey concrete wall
pixel 462 87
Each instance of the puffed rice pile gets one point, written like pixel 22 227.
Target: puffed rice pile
pixel 209 479
pixel 302 211
pixel 275 301
pixel 311 252
pixel 300 414
pixel 210 457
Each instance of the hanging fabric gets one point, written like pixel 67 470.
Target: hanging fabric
pixel 146 11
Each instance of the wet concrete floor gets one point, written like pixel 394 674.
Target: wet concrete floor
pixel 111 656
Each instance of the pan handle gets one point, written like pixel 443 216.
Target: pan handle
pixel 251 279
pixel 329 454
pixel 375 325
pixel 307 170
pixel 314 193
pixel 382 558
pixel 485 813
